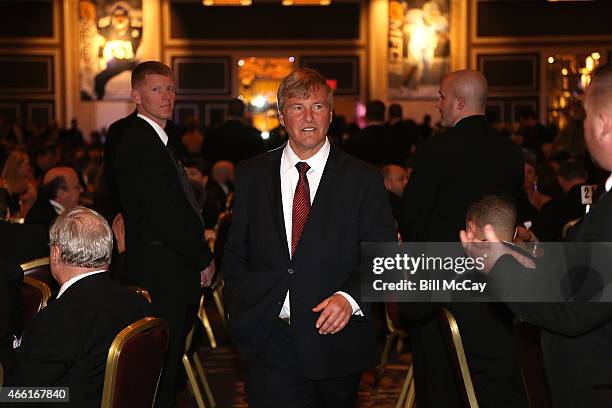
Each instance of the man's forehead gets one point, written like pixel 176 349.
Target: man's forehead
pixel 317 92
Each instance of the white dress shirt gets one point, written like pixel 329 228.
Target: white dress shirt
pixel 77 278
pixel 609 183
pixel 289 177
pixel 56 206
pixel 158 129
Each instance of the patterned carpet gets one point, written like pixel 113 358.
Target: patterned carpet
pixel 225 372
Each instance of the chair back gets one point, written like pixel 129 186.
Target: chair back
pixel 452 338
pixel 567 227
pixel 34 295
pixel 39 269
pixel 134 364
pixel 528 347
pixel 141 291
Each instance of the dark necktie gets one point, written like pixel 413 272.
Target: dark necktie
pixel 185 183
pixel 301 205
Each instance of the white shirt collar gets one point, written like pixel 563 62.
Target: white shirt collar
pixel 56 206
pixel 316 162
pixel 158 129
pixel 77 278
pixel 609 183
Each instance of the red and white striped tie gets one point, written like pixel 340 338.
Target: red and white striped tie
pixel 301 205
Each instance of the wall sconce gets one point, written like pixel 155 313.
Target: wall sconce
pixel 306 2
pixel 227 2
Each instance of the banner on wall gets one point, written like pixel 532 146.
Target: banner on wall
pixel 110 37
pixel 419 47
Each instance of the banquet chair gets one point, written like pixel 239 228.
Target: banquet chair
pixel 134 364
pixel 34 295
pixel 191 359
pixel 527 344
pixel 452 338
pixel 206 323
pixel 39 269
pixel 141 291
pixel 391 318
pixel 568 226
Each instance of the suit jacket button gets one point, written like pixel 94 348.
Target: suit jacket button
pixel 290 271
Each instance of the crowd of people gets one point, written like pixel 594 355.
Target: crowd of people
pixel 294 210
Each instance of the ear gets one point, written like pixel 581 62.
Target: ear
pixel 331 116
pixel 136 96
pixel 460 103
pixel 605 128
pixel 471 226
pixel 55 256
pixel 281 119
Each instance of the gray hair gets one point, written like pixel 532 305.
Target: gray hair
pixel 84 238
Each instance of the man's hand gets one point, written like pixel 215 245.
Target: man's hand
pixel 207 274
pixel 119 232
pixel 490 249
pixel 336 312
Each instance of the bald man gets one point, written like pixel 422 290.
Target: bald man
pixel 61 190
pixel 450 172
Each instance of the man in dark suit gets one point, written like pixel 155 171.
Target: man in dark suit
pixel 548 223
pixel 164 232
pixel 395 178
pixel 67 343
pixel 373 144
pixel 292 259
pixel 108 197
pixel 61 190
pixel 576 336
pixel 20 243
pixel 234 140
pixel 450 171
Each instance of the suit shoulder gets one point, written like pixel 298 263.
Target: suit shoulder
pixel 355 165
pixel 260 161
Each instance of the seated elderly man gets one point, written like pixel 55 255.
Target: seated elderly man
pixel 66 344
pixel 61 190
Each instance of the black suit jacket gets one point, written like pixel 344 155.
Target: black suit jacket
pixel 576 337
pixel 450 172
pixel 350 207
pixel 108 198
pixel 42 212
pixel 67 343
pixel 11 321
pixel 164 235
pixel 233 140
pixel 374 144
pixel 548 223
pixel 22 243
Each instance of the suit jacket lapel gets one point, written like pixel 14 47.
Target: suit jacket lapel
pixel 273 186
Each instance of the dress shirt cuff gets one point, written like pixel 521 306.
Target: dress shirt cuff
pixel 356 309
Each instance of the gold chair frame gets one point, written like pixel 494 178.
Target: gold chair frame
pixel 42 287
pixel 35 263
pixel 457 353
pixel 141 291
pixel 206 323
pixel 114 352
pixel 190 359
